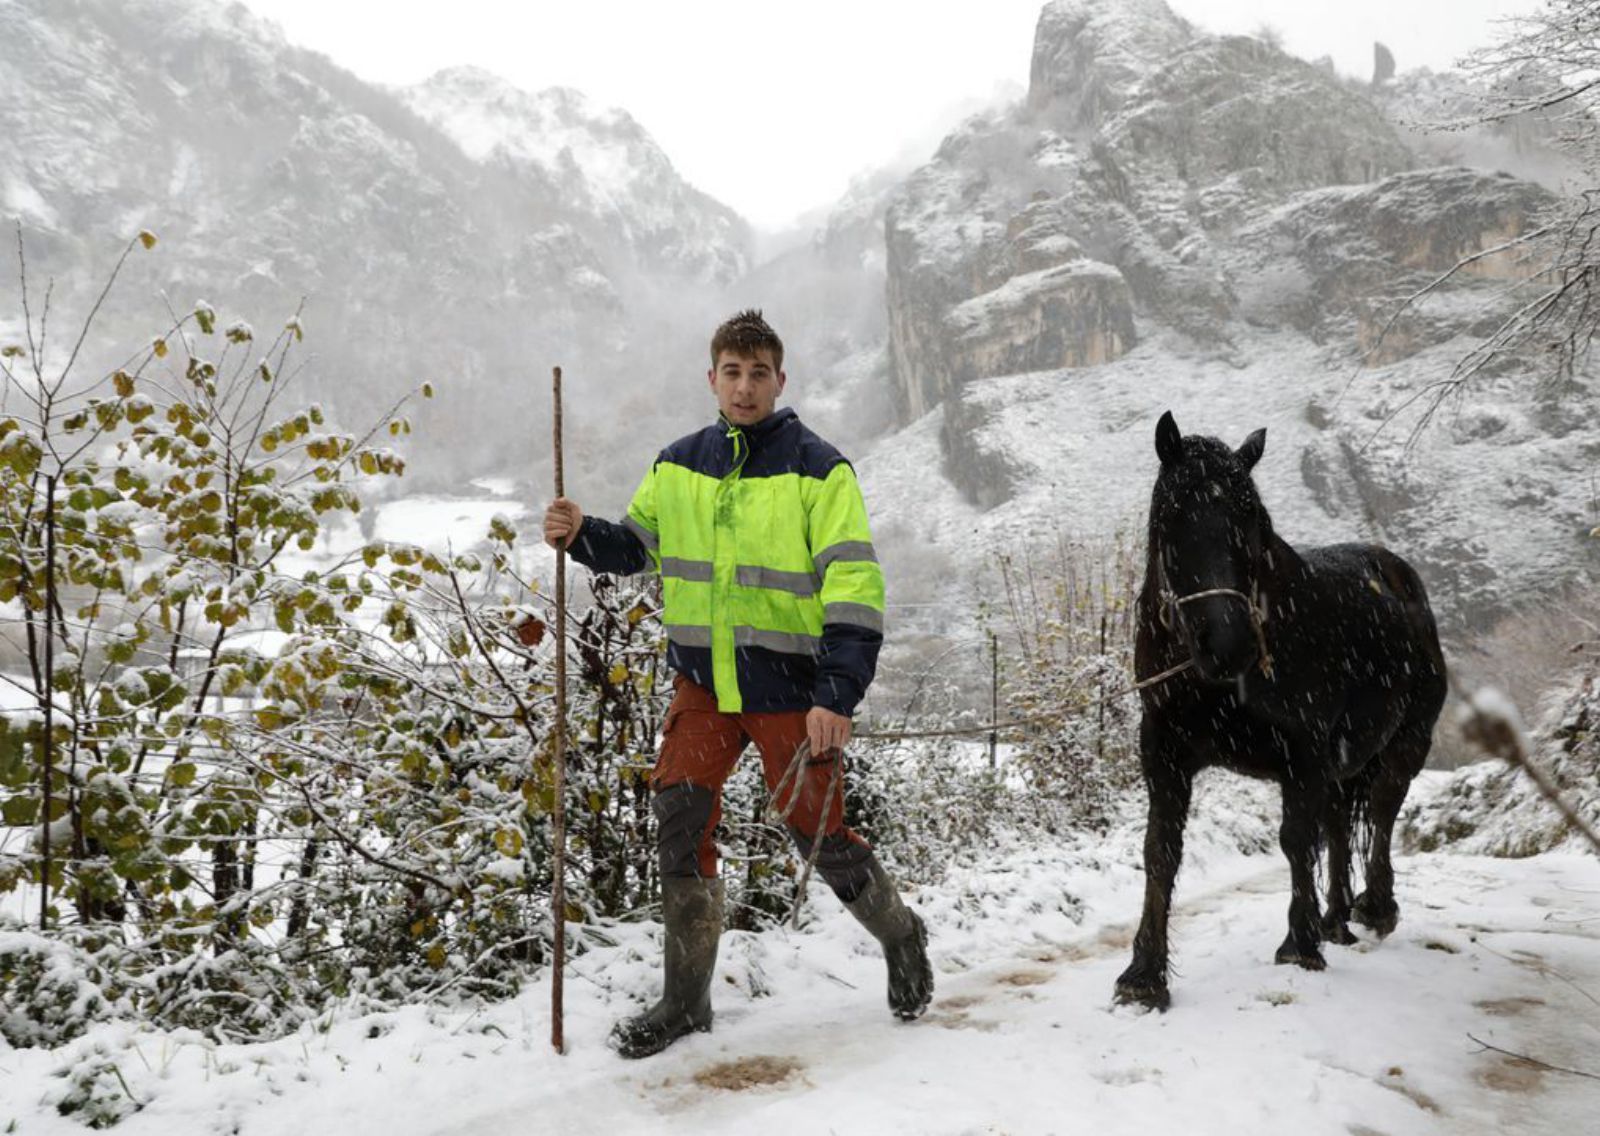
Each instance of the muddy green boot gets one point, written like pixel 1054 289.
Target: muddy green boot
pixel 691 910
pixel 904 939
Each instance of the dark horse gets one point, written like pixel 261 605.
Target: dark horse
pixel 1318 669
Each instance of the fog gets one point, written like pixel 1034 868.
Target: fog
pixel 279 182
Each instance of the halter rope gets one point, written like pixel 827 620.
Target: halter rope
pixel 1171 603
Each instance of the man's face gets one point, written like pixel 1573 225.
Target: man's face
pixel 746 386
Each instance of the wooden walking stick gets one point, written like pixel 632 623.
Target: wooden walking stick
pixel 558 891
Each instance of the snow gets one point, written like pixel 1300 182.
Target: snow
pixel 25 202
pixel 495 486
pixel 16 693
pixel 599 153
pixel 440 522
pixel 1079 446
pixel 1027 940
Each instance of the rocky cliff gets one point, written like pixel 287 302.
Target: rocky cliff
pixel 1167 208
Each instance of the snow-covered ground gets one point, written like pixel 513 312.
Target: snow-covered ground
pixel 1021 1038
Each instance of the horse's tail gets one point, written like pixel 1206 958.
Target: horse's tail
pixel 1358 811
pixel 1349 813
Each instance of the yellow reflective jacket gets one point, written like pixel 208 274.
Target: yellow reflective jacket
pixel 773 596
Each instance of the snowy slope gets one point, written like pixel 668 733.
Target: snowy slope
pixel 274 178
pixel 1021 1037
pixel 602 161
pixel 1486 510
pixel 1205 224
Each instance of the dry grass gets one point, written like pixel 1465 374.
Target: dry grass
pixel 1526 655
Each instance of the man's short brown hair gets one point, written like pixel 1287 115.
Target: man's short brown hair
pixel 745 334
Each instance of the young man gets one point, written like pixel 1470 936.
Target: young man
pixel 774 614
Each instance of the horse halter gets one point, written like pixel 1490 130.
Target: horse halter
pixel 1171 603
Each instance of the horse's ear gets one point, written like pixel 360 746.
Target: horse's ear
pixel 1250 452
pixel 1169 442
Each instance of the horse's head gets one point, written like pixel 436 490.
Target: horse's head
pixel 1209 534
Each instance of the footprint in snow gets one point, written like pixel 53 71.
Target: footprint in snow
pixel 750 1073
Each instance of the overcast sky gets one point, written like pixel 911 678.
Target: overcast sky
pixel 772 107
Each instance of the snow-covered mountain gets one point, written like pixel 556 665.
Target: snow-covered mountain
pixel 600 161
pixel 1167 219
pixel 463 231
pixel 1178 220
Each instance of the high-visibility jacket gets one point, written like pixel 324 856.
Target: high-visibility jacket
pixel 772 593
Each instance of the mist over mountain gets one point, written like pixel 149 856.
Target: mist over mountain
pixel 1176 220
pixel 462 232
pixel 1165 219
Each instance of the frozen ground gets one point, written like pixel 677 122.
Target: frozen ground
pixel 1021 1038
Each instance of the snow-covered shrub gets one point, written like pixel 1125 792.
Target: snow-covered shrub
pixel 238 994
pixel 50 989
pixel 924 803
pixel 93 1090
pixel 1071 614
pixel 1532 656
pixel 759 866
pixel 1493 808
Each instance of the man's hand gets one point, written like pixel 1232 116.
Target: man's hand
pixel 561 522
pixel 826 730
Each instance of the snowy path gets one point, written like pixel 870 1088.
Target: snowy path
pixel 1029 1044
pixel 1021 1038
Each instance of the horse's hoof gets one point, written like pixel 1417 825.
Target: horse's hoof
pixel 1339 933
pixel 1305 960
pixel 1150 996
pixel 1383 928
pixel 1380 919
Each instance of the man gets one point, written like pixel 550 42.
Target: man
pixel 773 605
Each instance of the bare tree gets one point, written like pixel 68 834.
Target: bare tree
pixel 1547 66
pixel 1544 74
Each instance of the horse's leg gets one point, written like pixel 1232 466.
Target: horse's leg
pixel 1339 826
pixel 1168 782
pixel 1305 796
pixel 1375 907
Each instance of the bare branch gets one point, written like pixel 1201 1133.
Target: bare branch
pixel 1523 1057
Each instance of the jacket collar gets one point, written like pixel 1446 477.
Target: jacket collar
pixel 758 432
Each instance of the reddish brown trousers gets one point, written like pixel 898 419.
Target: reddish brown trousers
pixel 699 749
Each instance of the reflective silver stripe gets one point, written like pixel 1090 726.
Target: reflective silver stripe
pixel 646 537
pixel 680 569
pixel 686 635
pixel 858 615
pixel 845 550
pixel 800 583
pixel 789 644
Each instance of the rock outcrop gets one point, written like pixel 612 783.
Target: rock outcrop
pixel 1158 179
pixel 1205 223
pixel 1348 253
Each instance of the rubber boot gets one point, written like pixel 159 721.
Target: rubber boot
pixel 904 939
pixel 691 910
